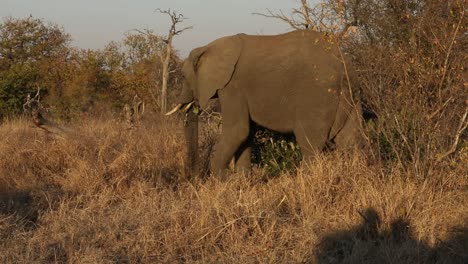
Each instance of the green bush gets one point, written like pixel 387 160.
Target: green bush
pixel 275 152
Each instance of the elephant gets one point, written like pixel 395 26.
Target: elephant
pixel 290 83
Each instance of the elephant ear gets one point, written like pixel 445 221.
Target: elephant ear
pixel 214 66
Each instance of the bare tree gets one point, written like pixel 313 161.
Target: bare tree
pixel 176 18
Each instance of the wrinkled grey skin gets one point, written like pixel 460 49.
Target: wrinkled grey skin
pixel 294 82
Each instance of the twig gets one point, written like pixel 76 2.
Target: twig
pixel 440 108
pixel 353 103
pixel 449 51
pixel 405 139
pixel 176 19
pixel 461 128
pixel 281 16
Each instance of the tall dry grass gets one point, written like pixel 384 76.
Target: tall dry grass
pixel 108 195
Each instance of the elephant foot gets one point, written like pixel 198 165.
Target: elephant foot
pixel 244 171
pixel 221 174
pixel 218 170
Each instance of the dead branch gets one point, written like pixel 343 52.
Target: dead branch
pixel 300 17
pixel 49 126
pixel 461 128
pixel 33 107
pixel 128 116
pixel 176 18
pixel 449 52
pixel 134 112
pixel 305 13
pixel 281 16
pixel 317 17
pixel 33 103
pixel 138 106
pixel 438 110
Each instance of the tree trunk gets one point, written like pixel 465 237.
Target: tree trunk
pixel 191 140
pixel 165 75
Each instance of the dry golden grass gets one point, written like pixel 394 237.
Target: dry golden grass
pixel 109 195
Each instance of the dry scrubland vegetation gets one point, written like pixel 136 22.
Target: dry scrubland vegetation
pixel 113 195
pixel 108 194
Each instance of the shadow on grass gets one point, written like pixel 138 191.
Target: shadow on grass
pixel 371 243
pixel 21 205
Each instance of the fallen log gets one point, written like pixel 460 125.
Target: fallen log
pixel 49 126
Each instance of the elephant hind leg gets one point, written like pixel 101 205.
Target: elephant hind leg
pixel 243 158
pixel 311 139
pixel 349 137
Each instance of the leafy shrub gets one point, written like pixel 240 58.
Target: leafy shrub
pixel 275 152
pixel 28 50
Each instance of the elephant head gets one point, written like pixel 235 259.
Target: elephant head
pixel 206 70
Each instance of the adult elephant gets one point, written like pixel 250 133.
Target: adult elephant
pixel 294 82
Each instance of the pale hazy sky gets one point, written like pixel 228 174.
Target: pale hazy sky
pixel 94 23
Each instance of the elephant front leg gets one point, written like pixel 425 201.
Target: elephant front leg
pixel 232 137
pixel 235 131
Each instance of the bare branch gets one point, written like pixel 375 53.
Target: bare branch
pixel 281 16
pixel 176 18
pixel 305 13
pixel 461 128
pixel 320 17
pixel 49 126
pixel 438 110
pixel 33 108
pixel 301 18
pixel 145 32
pixel 182 30
pixel 33 103
pixel 445 68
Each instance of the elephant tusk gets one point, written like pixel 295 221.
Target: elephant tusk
pixel 187 107
pixel 175 109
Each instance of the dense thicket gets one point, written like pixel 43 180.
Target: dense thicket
pixel 35 54
pixel 410 57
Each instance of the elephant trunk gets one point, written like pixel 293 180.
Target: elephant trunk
pixel 191 140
